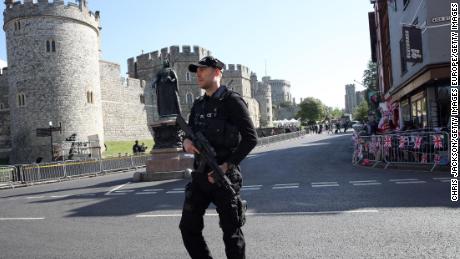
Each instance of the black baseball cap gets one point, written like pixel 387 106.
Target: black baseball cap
pixel 208 61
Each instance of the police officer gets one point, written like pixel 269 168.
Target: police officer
pixel 223 117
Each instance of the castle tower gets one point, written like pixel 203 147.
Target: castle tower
pixel 264 97
pixel 53 74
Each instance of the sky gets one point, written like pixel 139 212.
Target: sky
pixel 319 46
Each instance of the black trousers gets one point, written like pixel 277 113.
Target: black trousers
pixel 198 195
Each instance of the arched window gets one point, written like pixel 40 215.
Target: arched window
pixel 89 97
pixel 19 25
pixel 189 98
pixel 21 100
pixel 142 98
pixel 48 46
pixel 2 106
pixel 15 26
pixel 53 46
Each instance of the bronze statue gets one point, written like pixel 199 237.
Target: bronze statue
pixel 166 85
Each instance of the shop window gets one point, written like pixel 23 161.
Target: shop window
pixel 419 112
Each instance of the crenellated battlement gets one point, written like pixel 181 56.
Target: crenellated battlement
pixel 173 52
pixel 3 71
pixel 58 8
pixel 237 70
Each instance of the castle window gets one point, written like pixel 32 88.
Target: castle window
pixel 48 46
pixel 187 76
pixel 2 106
pixel 15 26
pixel 89 97
pixel 142 98
pixel 53 46
pixel 189 98
pixel 19 25
pixel 21 98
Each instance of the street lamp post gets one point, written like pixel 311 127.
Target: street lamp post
pixel 51 134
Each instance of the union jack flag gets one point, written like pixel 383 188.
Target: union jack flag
pixel 437 159
pixel 424 159
pixel 418 142
pixel 387 141
pixel 437 141
pixel 402 141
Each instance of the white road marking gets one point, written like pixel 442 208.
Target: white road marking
pixel 285 187
pixel 255 214
pixel 174 192
pixel 178 189
pixel 366 181
pixel 286 184
pixel 250 189
pixel 402 180
pixel 124 191
pixel 59 196
pixel 116 188
pixel 145 193
pixel 5 219
pixel 35 197
pixel 364 184
pixel 252 186
pixel 326 185
pixel 153 190
pixel 410 182
pixel 445 181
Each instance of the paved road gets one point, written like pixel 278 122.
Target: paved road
pixel 305 199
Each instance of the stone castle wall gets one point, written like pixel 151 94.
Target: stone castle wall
pixel 127 105
pixel 5 142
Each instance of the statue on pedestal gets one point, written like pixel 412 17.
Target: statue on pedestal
pixel 166 86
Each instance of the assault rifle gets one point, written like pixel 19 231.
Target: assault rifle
pixel 207 153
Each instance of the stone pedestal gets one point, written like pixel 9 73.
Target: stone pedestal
pixel 167 163
pixel 168 160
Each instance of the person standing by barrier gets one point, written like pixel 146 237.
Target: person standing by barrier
pixel 223 118
pixel 136 148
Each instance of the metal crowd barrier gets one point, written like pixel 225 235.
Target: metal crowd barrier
pixel 61 170
pixel 281 137
pixel 8 174
pixel 65 169
pixel 415 147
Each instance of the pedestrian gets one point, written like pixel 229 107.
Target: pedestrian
pixel 136 147
pixel 223 117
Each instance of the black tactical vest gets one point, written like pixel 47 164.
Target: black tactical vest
pixel 212 119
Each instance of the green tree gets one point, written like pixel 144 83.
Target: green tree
pixel 311 109
pixel 335 113
pixel 370 76
pixel 360 113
